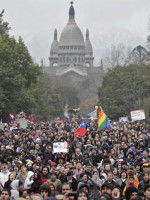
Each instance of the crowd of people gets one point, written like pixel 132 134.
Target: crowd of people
pixel 102 165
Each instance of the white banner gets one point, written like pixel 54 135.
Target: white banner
pixel 137 115
pixel 23 123
pixel 123 119
pixel 60 147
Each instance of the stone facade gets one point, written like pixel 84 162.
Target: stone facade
pixel 71 61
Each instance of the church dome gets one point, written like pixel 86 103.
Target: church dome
pixel 71 34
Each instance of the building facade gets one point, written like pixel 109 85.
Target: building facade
pixel 71 62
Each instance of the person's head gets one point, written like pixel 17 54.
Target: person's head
pixel 77 151
pixel 4 166
pixel 49 148
pixel 147 191
pixel 84 178
pixel 52 187
pixel 131 193
pixel 146 176
pixel 37 175
pixel 95 174
pixel 53 176
pixel 105 196
pixel 9 164
pixel 141 194
pixel 115 171
pixel 78 165
pixel 116 193
pixel 131 180
pixel 110 176
pixel 69 175
pixel 59 196
pixel 11 177
pixel 66 188
pixel 28 197
pixel 45 190
pixel 82 195
pixel 5 194
pixel 106 188
pixel 107 167
pixel 45 170
pixel 123 175
pixel 85 188
pixel 145 154
pixel 88 167
pixel 36 196
pixel 145 167
pixel 23 168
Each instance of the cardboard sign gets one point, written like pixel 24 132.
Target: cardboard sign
pixel 137 115
pixel 23 123
pixel 60 147
pixel 2 125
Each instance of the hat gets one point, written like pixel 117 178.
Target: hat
pixel 57 168
pixel 140 193
pixel 145 165
pixel 53 164
pixel 38 140
pixel 106 185
pixel 67 163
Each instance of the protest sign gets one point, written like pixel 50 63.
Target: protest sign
pixel 123 119
pixel 60 147
pixel 2 125
pixel 137 115
pixel 23 123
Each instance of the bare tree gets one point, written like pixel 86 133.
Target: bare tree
pixel 116 56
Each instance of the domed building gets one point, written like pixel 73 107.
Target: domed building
pixel 71 48
pixel 71 63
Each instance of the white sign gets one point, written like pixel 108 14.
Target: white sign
pixel 2 125
pixel 137 115
pixel 60 147
pixel 123 119
pixel 23 123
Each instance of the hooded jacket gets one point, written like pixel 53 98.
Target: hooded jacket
pixel 15 190
pixel 28 181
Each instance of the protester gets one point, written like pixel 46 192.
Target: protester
pixel 114 163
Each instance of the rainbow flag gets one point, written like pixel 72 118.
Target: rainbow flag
pixel 103 121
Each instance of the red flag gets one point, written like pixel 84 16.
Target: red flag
pixel 32 118
pixel 81 131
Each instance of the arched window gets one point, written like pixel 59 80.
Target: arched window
pixel 87 65
pixel 55 64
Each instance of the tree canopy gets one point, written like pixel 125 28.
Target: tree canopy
pixel 124 89
pixel 23 85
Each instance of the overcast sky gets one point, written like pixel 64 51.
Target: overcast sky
pixel 109 22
